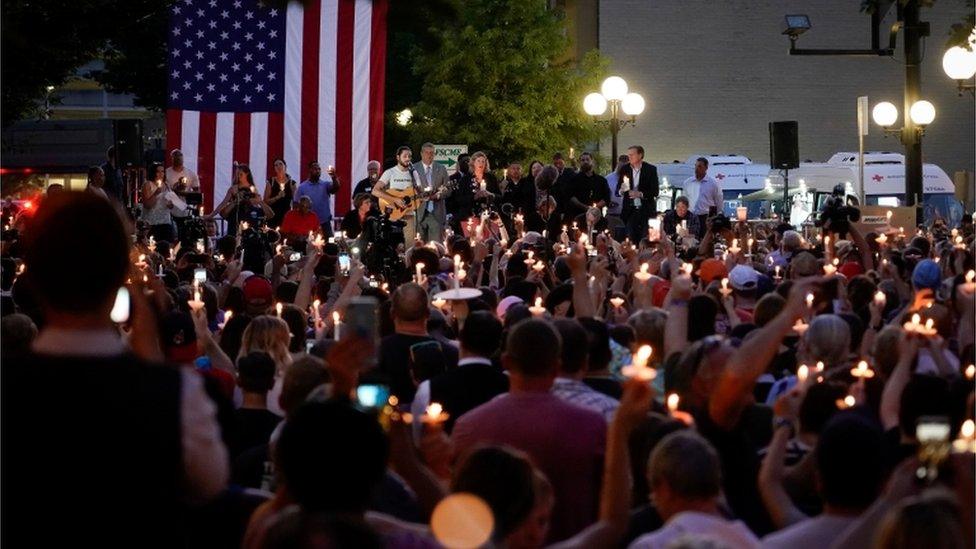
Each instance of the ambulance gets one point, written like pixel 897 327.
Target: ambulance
pixel 884 185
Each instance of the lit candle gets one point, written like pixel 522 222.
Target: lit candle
pixel 200 247
pixel 686 268
pixel 318 242
pixel 537 309
pixel 776 272
pixel 278 309
pixel 819 366
pixel 617 302
pixel 643 275
pixel 528 257
pixel 539 266
pixel 971 372
pixel 434 414
pixel 725 290
pixel 830 268
pixel 439 303
pixel 888 217
pixel 749 247
pixel 802 373
pixel 880 299
pixel 970 285
pixel 826 242
pixel 861 371
pixel 654 229
pixel 847 402
pixel 227 316
pixel 420 273
pixel 141 263
pixel 799 327
pixel 916 326
pixel 315 311
pixel 672 401
pixel 196 304
pixel 483 185
pixel 967 437
pixel 882 240
pixel 336 325
pixel 638 369
pixel 959 243
pixel 734 248
pixel 152 244
pixel 810 300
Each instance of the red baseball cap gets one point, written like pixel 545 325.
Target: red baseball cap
pixel 712 269
pixel 258 291
pixel 850 269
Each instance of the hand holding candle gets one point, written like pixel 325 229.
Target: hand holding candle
pixel 862 371
pixel 537 309
pixel 196 304
pixel 435 414
pixel 643 275
pixel 638 369
pixel 725 290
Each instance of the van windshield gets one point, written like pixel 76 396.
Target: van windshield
pixel 942 205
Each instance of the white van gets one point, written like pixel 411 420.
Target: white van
pixel 884 184
pixel 736 174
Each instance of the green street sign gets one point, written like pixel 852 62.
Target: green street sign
pixel 446 155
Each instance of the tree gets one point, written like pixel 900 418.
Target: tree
pixel 499 82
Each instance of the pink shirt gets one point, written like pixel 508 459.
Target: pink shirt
pixel 565 441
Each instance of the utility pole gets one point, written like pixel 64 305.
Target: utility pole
pixel 911 135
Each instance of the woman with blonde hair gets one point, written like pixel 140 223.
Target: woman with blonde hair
pixel 269 334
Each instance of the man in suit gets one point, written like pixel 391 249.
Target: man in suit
pixel 639 190
pixel 432 215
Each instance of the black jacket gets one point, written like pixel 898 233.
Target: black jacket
pixel 648 184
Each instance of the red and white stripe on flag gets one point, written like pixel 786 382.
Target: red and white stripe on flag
pixel 335 60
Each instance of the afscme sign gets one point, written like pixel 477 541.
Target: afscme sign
pixel 447 155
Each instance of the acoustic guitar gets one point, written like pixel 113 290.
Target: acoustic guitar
pixel 412 199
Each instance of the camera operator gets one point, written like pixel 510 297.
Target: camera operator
pixel 836 215
pixel 717 226
pixel 243 203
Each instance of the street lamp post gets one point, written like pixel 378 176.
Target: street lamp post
pixel 918 115
pixel 959 64
pixel 613 95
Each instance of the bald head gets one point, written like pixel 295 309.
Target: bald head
pixel 410 303
pixel 533 349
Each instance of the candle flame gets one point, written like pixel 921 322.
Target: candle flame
pixel 802 373
pixel 970 276
pixel 810 300
pixel 644 267
pixel 820 366
pixel 538 302
pixel 971 371
pixel 227 315
pixel 850 401
pixel 643 355
pixel 434 409
pixel 278 308
pixel 673 399
pixel 968 429
pixel 335 317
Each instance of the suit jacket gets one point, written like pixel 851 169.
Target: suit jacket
pixel 438 178
pixel 648 184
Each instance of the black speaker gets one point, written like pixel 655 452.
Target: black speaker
pixel 784 151
pixel 128 143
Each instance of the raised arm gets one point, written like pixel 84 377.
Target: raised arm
pixel 781 509
pixel 582 302
pixel 891 395
pixel 752 358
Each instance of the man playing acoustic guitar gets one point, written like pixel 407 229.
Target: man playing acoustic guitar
pixel 399 193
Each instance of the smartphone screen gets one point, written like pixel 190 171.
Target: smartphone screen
pixel 344 263
pixel 295 256
pixel 200 275
pixel 372 396
pixel 120 310
pixel 362 318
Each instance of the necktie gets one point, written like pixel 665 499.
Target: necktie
pixel 430 203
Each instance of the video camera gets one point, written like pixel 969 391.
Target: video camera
pixel 719 223
pixel 257 245
pixel 836 215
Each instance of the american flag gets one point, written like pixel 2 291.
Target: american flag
pixel 250 83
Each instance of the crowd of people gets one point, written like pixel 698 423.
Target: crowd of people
pixel 546 362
